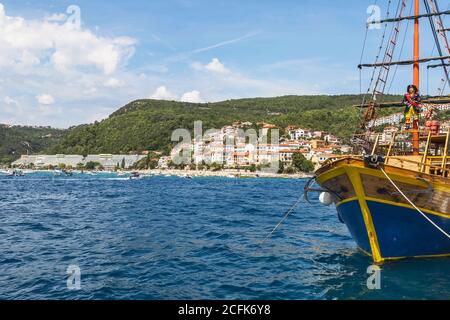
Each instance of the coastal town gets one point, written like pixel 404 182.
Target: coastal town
pixel 212 151
pixel 231 147
pixel 228 149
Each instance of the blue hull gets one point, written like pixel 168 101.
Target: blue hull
pixel 401 231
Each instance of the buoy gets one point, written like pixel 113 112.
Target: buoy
pixel 326 199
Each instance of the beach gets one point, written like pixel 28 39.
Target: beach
pixel 225 173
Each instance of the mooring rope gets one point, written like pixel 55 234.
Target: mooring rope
pixel 288 213
pixel 415 207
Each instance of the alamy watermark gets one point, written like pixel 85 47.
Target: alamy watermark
pixel 71 18
pixel 74 277
pixel 373 22
pixel 374 280
pixel 74 18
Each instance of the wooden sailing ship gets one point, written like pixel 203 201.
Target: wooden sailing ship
pixel 395 196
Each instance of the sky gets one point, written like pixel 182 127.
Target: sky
pixel 64 63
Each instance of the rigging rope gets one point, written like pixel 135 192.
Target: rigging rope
pixel 390 46
pixel 436 9
pixel 383 37
pixel 288 213
pixel 415 207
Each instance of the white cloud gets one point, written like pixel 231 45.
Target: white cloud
pixel 12 107
pixel 113 83
pixel 10 101
pixel 215 66
pixel 162 93
pixel 45 99
pixel 48 110
pixel 49 40
pixel 192 97
pixel 59 17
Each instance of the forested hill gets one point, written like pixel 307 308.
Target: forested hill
pixel 148 124
pixel 18 140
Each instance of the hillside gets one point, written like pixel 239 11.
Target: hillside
pixel 17 140
pixel 148 124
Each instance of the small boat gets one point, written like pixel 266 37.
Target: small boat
pixel 67 173
pixel 135 176
pixel 7 173
pixel 14 173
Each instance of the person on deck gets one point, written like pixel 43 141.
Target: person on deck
pixel 411 101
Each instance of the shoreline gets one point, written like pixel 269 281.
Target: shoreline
pixel 225 174
pixel 187 173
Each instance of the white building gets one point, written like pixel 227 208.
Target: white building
pixel 40 161
pixel 108 161
pixel 299 133
pixel 331 139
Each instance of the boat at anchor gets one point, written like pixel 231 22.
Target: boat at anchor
pixel 394 193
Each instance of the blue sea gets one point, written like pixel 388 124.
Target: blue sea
pixel 178 238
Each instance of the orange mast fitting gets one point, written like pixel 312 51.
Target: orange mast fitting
pixel 416 67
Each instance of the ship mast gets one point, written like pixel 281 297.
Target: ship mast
pixel 416 72
pixel 416 44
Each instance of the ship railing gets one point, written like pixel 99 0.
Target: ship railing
pixel 432 168
pixel 398 145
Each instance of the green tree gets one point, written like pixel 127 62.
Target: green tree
pixel 300 163
pixel 216 166
pixel 280 167
pixel 290 170
pixel 92 165
pixel 308 166
pixel 146 163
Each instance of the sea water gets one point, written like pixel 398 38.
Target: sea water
pixel 107 237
